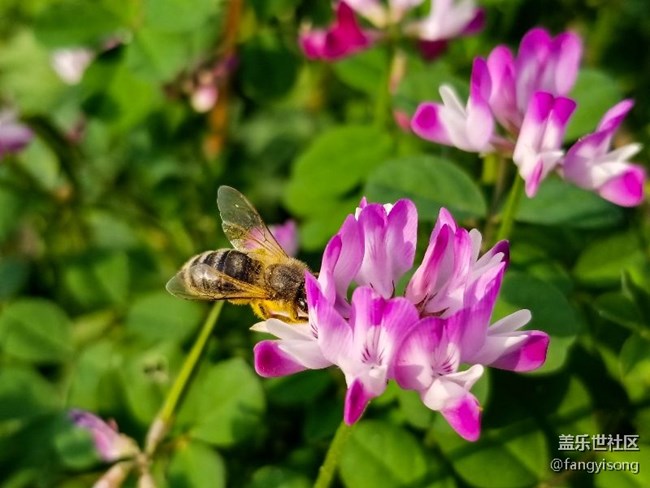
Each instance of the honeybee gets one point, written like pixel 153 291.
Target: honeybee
pixel 257 271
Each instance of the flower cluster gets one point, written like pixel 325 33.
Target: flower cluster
pixel 527 96
pixel 420 339
pixel 446 19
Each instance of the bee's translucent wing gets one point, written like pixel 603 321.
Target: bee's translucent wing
pixel 203 282
pixel 243 225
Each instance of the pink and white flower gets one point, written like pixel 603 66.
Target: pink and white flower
pixel 109 443
pixel 422 339
pixel 428 361
pixel 539 145
pixel 451 265
pixel 344 38
pixel 590 163
pixel 446 20
pixel 526 95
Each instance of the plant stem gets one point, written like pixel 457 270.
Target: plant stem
pixel 510 211
pixel 331 463
pixel 163 420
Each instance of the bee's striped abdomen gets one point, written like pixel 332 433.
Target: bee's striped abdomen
pixel 231 263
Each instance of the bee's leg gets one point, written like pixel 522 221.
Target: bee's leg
pixel 260 310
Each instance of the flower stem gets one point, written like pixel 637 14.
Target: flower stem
pixel 510 211
pixel 163 420
pixel 331 463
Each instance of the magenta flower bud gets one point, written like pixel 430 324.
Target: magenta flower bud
pixel 109 443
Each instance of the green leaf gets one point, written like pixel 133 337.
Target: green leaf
pixel 67 23
pixel 35 330
pixel 178 15
pixel 334 164
pixel 630 472
pixel 90 385
pixel 160 316
pixel 26 76
pixel 604 261
pixel 512 457
pixel 98 278
pixel 268 69
pixel 635 350
pixel 24 394
pixel 225 404
pixel 381 454
pixel 112 93
pixel 75 447
pixel 11 209
pixel 157 56
pixel 415 412
pixel 560 203
pixel 595 92
pixel 279 8
pixel 278 477
pixel 431 182
pixel 551 312
pixel 363 71
pixel 422 83
pixel 298 389
pixel 13 276
pixel 620 309
pixel 634 362
pixel 319 227
pixel 196 465
pixel 146 376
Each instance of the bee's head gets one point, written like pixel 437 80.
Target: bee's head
pixel 301 301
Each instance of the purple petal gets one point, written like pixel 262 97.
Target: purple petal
pixel 502 247
pixel 426 123
pixel 430 50
pixel 109 443
pixel 287 236
pixel 413 357
pixel 481 82
pixel 401 237
pixel 271 361
pixel 14 136
pixel 533 53
pixel 538 148
pixel 562 71
pixel 528 356
pixel 625 189
pixel 342 39
pixel 465 417
pixel 476 24
pixel 615 115
pixel 506 347
pixel 356 400
pixel 389 244
pixel 503 101
pixel 436 268
pixel 334 333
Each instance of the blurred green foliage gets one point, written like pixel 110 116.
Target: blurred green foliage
pixel 118 189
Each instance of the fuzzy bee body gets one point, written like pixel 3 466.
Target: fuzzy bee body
pixel 257 272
